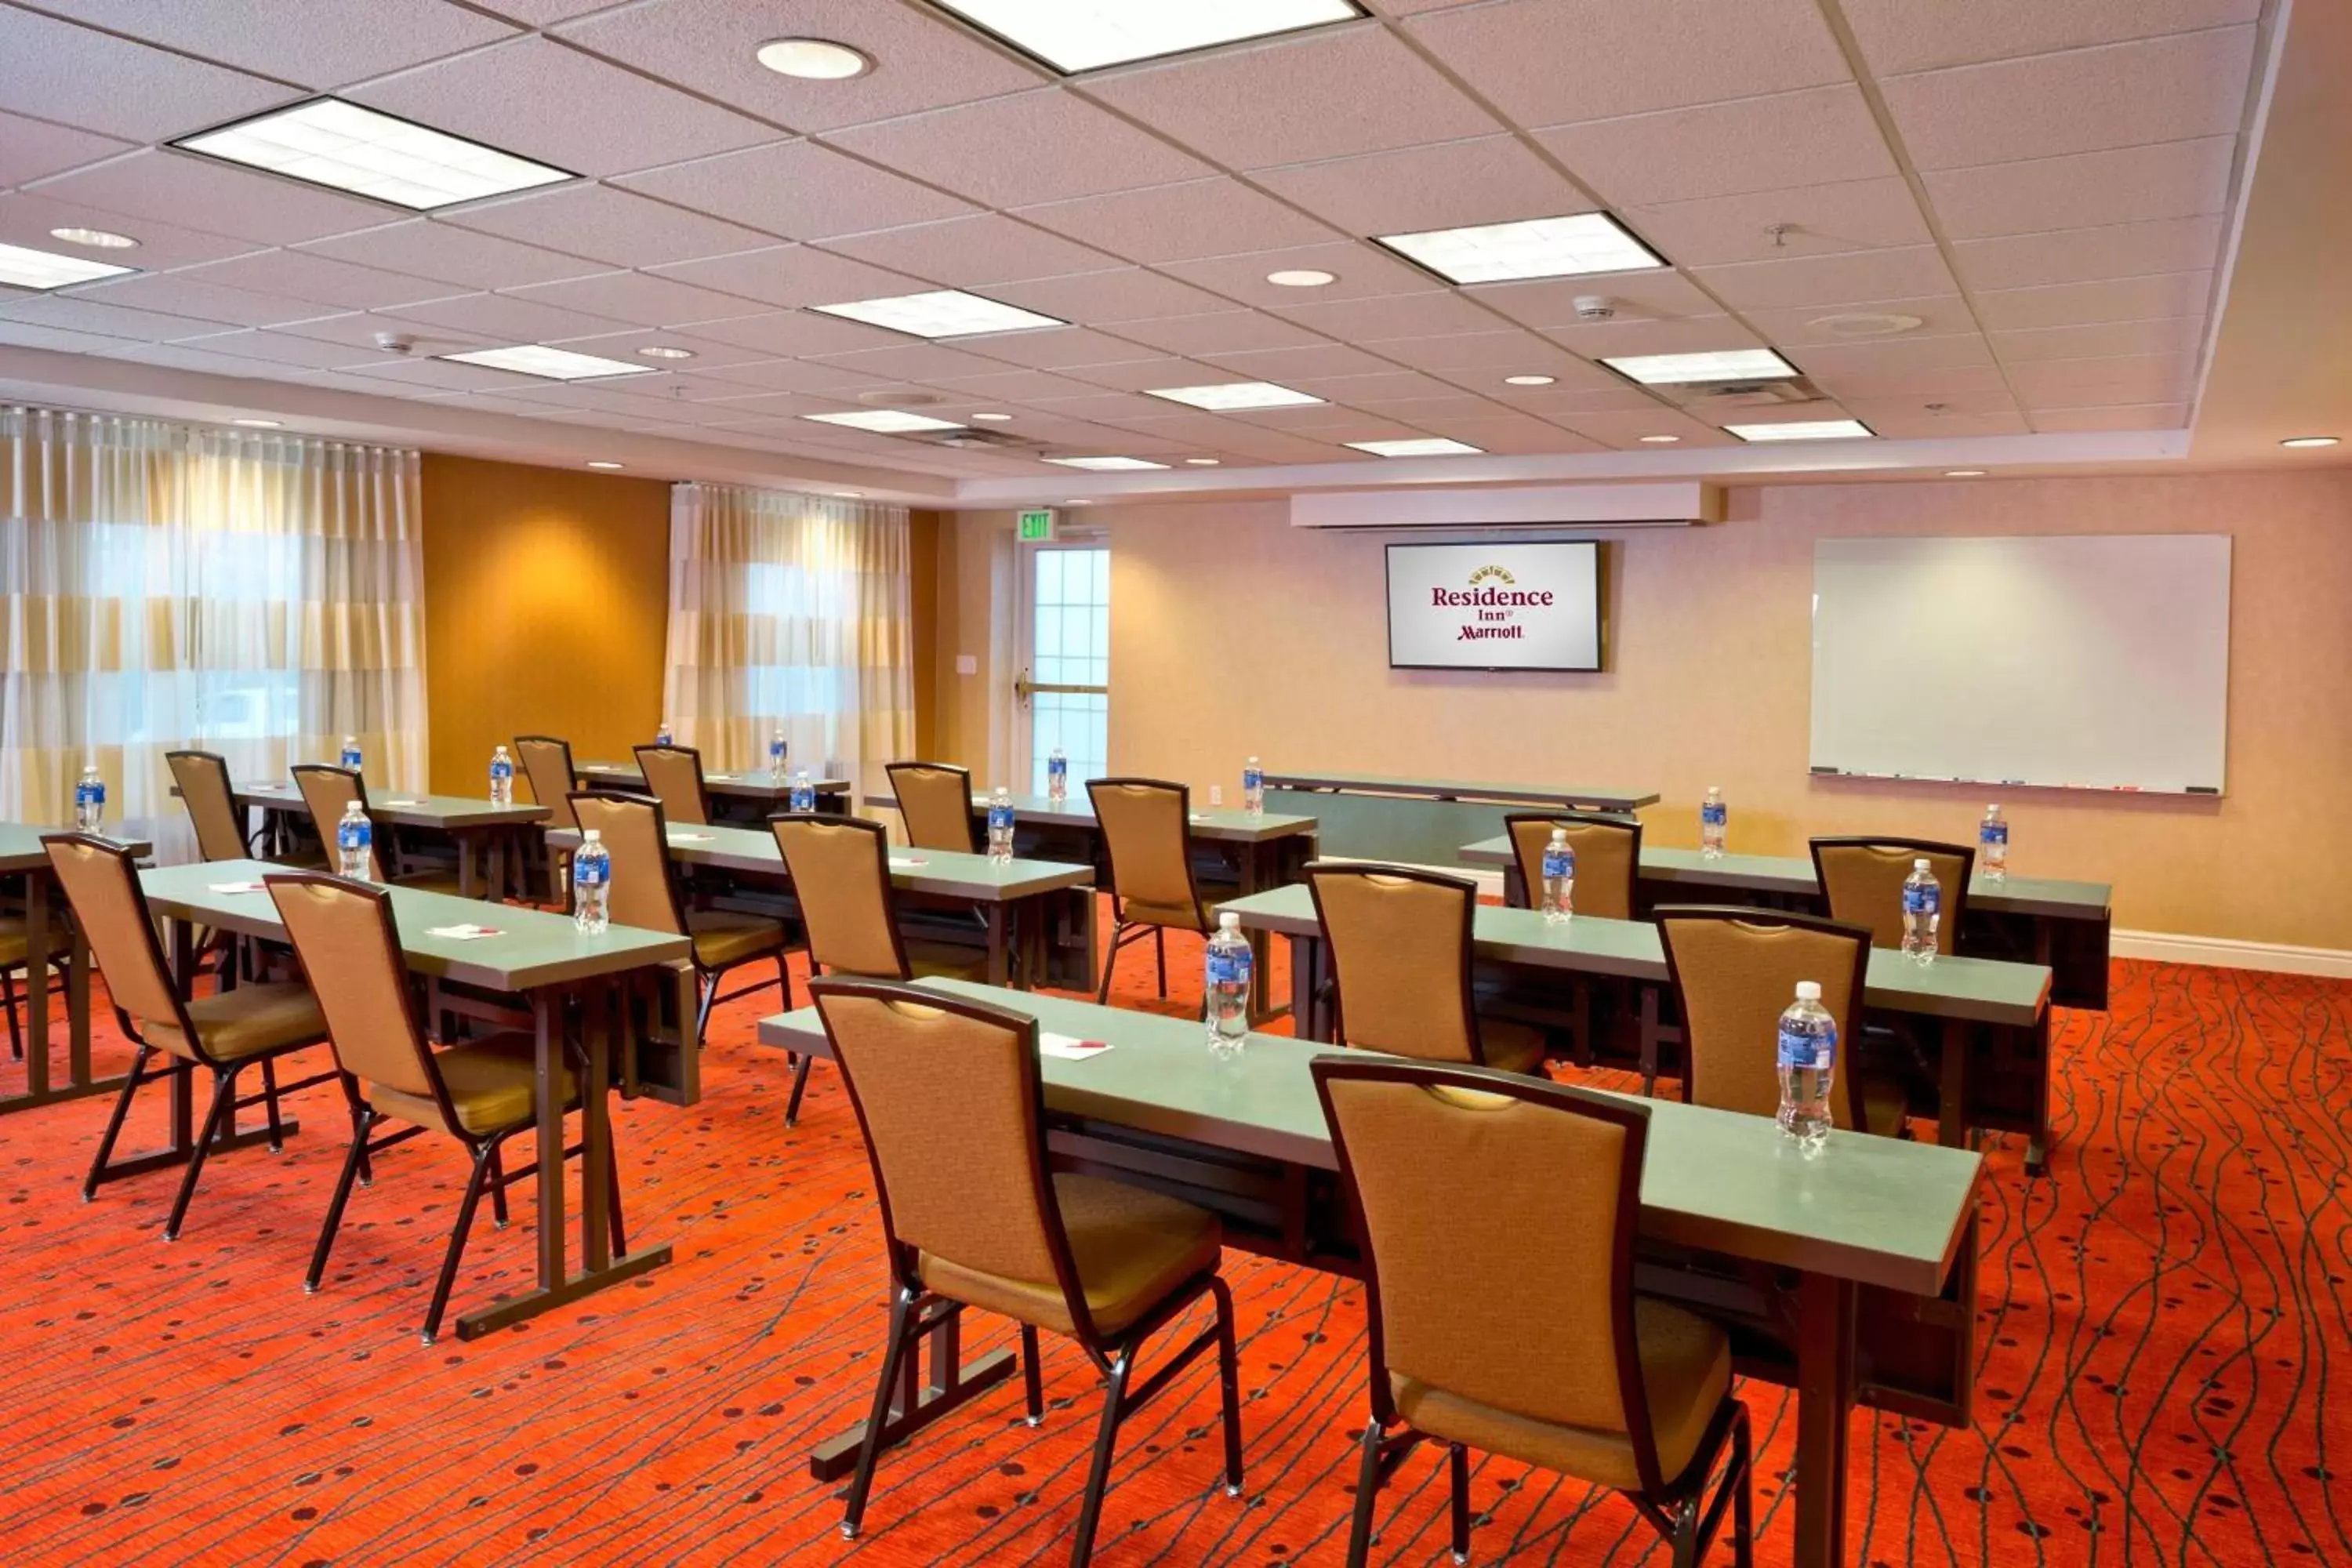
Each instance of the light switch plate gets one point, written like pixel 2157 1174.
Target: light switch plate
pixel 1216 794
pixel 967 664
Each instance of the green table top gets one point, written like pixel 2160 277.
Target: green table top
pixel 399 807
pixel 533 948
pixel 1601 797
pixel 1880 1211
pixel 751 782
pixel 20 845
pixel 1981 989
pixel 1077 811
pixel 1787 874
pixel 753 851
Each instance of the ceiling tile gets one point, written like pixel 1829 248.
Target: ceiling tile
pixel 797 190
pixel 1392 316
pixel 618 227
pixel 1327 93
pixel 2056 382
pixel 1389 389
pixel 543 12
pixel 2103 340
pixel 30 149
pixel 1548 62
pixel 796 333
pixel 179 294
pixel 319 43
pixel 537 99
pixel 973 252
pixel 1126 294
pixel 1006 386
pixel 1843 278
pixel 1485 358
pixel 2086 255
pixel 1768 144
pixel 1848 382
pixel 925 61
pixel 426 248
pixel 2115 300
pixel 1099 405
pixel 317 279
pixel 1220 332
pixel 285 349
pixel 1902 422
pixel 1319 359
pixel 2169 180
pixel 1939 315
pixel 793 275
pixel 1057 348
pixel 1892 356
pixel 359 329
pixel 71 313
pixel 1552 302
pixel 1452 184
pixel 1696 335
pixel 447 375
pixel 1814 220
pixel 1359 272
pixel 639 298
pixel 757 377
pixel 1181 222
pixel 1510 435
pixel 175 187
pixel 1068 148
pixel 2118 95
pixel 27 217
pixel 504 319
pixel 2128 417
pixel 1920 35
pixel 149 95
pixel 1562 404
pixel 1624 430
pixel 1144 374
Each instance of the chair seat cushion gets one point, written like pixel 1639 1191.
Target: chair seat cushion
pixel 248 1022
pixel 1177 915
pixel 1884 1107
pixel 13 942
pixel 489 1080
pixel 949 960
pixel 1132 1248
pixel 1511 1046
pixel 723 939
pixel 1685 1371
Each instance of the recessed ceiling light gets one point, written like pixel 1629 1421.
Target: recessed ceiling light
pixel 849 495
pixel 884 421
pixel 1234 394
pixel 343 147
pixel 1301 278
pixel 1107 464
pixel 814 59
pixel 663 351
pixel 552 364
pixel 944 313
pixel 1425 446
pixel 2302 441
pixel 261 424
pixel 1076 501
pixel 1529 380
pixel 1661 441
pixel 47 269
pixel 990 418
pixel 1205 462
pixel 1683 370
pixel 102 238
pixel 602 463
pixel 1803 430
pixel 1073 37
pixel 1964 473
pixel 1538 247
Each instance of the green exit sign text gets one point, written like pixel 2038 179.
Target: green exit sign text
pixel 1037 526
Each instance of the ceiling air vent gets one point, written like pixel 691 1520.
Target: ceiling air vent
pixel 1780 392
pixel 963 440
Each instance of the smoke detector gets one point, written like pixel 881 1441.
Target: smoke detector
pixel 395 342
pixel 1595 308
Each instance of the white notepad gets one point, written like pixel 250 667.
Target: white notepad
pixel 235 888
pixel 467 932
pixel 1070 1047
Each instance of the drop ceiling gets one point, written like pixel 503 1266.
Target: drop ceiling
pixel 2043 198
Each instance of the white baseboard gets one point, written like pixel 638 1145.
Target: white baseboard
pixel 2227 952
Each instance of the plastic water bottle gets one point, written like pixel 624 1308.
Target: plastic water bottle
pixel 661 735
pixel 1923 911
pixel 355 844
pixel 1714 823
pixel 1252 788
pixel 1992 845
pixel 591 884
pixel 1228 988
pixel 1808 1067
pixel 1057 777
pixel 502 778
pixel 1558 878
pixel 803 798
pixel 89 800
pixel 1000 826
pixel 351 752
pixel 776 750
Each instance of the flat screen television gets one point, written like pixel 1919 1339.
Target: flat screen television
pixel 1510 605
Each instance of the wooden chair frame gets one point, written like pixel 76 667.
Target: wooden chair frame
pixel 971 844
pixel 1317 870
pixel 1954 904
pixel 881 836
pixel 1603 819
pixel 216 765
pixel 1125 930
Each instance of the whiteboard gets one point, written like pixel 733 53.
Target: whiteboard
pixel 2096 661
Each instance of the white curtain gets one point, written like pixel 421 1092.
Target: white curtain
pixel 163 586
pixel 791 610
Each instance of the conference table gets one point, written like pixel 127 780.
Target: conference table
pixel 2035 919
pixel 1993 1016
pixel 744 798
pixel 49 935
pixel 1418 821
pixel 480 831
pixel 544 958
pixel 1850 1278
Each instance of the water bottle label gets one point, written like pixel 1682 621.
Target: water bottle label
pixel 1057 767
pixel 1715 815
pixel 1000 819
pixel 590 873
pixel 1252 778
pixel 351 758
pixel 1922 900
pixel 89 794
pixel 1229 968
pixel 1993 833
pixel 1558 863
pixel 1801 1048
pixel 353 835
pixel 775 751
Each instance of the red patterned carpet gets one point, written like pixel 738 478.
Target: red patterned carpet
pixel 2165 1349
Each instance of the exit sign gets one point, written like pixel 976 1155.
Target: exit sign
pixel 1037 526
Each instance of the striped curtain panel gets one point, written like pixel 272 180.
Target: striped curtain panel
pixel 791 610
pixel 163 586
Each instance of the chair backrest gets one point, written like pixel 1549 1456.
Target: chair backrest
pixel 1608 857
pixel 840 868
pixel 947 1096
pixel 645 885
pixel 674 777
pixel 1735 971
pixel 102 885
pixel 203 778
pixel 935 803
pixel 1146 830
pixel 547 767
pixel 348 944
pixel 1400 943
pixel 327 791
pixel 1523 1299
pixel 1862 881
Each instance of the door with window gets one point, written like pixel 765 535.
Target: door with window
pixel 1062 695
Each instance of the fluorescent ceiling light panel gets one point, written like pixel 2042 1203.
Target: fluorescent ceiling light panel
pixel 1073 35
pixel 1803 430
pixel 884 421
pixel 1537 247
pixel 1232 394
pixel 27 269
pixel 1425 446
pixel 343 147
pixel 1683 370
pixel 550 364
pixel 1105 465
pixel 946 313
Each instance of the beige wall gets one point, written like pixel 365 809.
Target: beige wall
pixel 1233 633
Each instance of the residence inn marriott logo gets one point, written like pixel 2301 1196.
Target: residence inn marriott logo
pixel 1495 608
